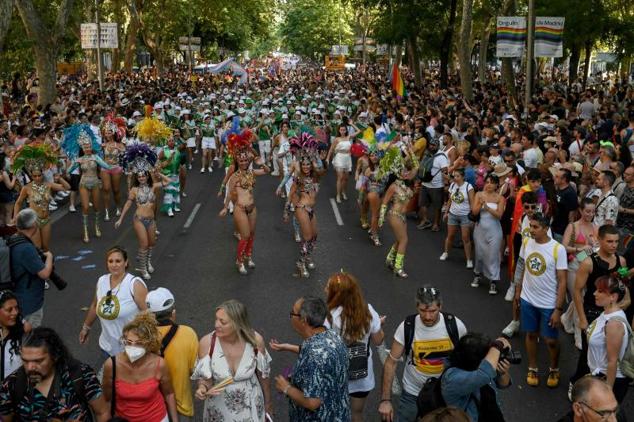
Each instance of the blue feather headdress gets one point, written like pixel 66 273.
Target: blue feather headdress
pixel 138 158
pixel 235 129
pixel 77 135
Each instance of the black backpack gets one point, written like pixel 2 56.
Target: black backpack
pixel 426 166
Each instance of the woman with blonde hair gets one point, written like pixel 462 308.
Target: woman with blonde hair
pixel 136 381
pixel 357 322
pixel 233 368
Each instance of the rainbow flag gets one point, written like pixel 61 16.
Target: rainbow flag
pixel 397 81
pixel 549 33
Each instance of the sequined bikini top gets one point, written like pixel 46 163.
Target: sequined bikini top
pixel 403 192
pixel 307 184
pixel 89 167
pixel 111 155
pixel 40 196
pixel 246 179
pixel 145 195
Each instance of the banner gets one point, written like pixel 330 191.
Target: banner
pixel 549 33
pixel 109 36
pixel 511 36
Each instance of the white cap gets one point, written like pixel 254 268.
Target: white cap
pixel 159 300
pixel 241 110
pixel 137 113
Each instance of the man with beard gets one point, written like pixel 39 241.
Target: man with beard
pixel 51 385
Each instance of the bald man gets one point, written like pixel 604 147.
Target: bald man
pixel 592 400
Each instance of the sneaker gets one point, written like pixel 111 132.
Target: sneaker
pixel 510 330
pixel 553 378
pixel 493 289
pixel 52 207
pixel 52 202
pixel 469 263
pixel 64 194
pixel 177 209
pixel 444 256
pixel 58 197
pixel 183 194
pixel 344 196
pixel 170 213
pixel 297 237
pixel 210 170
pixel 510 293
pixel 424 225
pixel 189 167
pixel 202 170
pixel 275 173
pixel 532 378
pixel 476 281
pixel 71 208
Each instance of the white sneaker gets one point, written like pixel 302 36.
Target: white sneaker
pixel 444 256
pixel 58 197
pixel 170 213
pixel 53 202
pixel 71 208
pixel 64 194
pixel 189 167
pixel 469 263
pixel 183 194
pixel 177 209
pixel 202 170
pixel 211 170
pixel 510 293
pixel 52 207
pixel 476 281
pixel 275 173
pixel 510 330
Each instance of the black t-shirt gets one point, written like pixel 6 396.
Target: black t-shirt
pixel 566 201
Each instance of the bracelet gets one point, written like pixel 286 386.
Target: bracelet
pixel 288 387
pixel 84 327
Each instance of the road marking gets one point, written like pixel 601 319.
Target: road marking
pixel 191 217
pixel 335 209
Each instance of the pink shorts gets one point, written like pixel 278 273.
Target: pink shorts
pixel 114 170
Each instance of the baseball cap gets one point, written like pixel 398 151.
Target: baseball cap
pixel 159 300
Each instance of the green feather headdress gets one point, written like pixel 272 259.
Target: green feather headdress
pixel 34 156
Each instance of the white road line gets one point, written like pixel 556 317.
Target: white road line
pixel 191 217
pixel 335 209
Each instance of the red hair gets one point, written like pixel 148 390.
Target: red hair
pixel 344 291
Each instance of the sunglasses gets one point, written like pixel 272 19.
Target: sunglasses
pixel 293 314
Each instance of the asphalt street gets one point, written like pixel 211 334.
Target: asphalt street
pixel 195 257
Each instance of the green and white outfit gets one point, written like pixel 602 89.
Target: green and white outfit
pixel 171 193
pixel 209 136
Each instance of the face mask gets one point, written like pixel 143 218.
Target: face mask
pixel 134 353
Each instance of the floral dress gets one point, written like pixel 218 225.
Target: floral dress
pixel 243 400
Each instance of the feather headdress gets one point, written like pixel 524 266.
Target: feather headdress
pixel 116 125
pixel 391 163
pixel 305 146
pixel 233 130
pixel 152 130
pixel 34 156
pixel 76 136
pixel 239 144
pixel 138 158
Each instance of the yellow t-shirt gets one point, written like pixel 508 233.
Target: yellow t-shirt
pixel 180 356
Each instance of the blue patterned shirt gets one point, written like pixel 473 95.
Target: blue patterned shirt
pixel 321 371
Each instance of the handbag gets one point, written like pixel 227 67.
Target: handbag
pixel 473 217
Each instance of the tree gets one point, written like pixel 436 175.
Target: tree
pixel 6 11
pixel 447 42
pixel 464 50
pixel 46 37
pixel 310 27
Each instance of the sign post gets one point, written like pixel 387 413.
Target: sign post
pixel 189 45
pixel 99 58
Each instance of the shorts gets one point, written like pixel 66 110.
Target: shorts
pixel 35 318
pixel 535 320
pixel 74 182
pixel 209 143
pixel 359 394
pixel 430 198
pixel 265 146
pixel 458 220
pixel 191 142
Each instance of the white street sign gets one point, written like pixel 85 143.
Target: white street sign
pixel 185 47
pixel 185 40
pixel 109 35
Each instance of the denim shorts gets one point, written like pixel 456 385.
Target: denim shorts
pixel 534 319
pixel 458 220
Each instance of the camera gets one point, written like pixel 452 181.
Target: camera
pixel 55 278
pixel 514 357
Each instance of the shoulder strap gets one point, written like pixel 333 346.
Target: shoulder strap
pixel 555 253
pixel 213 344
pixel 168 337
pixel 452 328
pixel 408 334
pixel 604 198
pixel 19 388
pixel 76 376
pixel 113 388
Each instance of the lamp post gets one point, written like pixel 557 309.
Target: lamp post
pixel 99 58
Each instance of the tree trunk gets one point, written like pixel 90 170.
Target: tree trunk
pixel 484 48
pixel 445 46
pixel 399 54
pixel 508 75
pixel 464 52
pixel 573 64
pixel 46 41
pixel 415 60
pixel 6 12
pixel 586 62
pixel 131 37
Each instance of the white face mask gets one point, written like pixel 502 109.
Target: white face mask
pixel 134 353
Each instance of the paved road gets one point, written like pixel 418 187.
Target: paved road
pixel 196 263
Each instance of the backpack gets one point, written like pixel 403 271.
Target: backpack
pixel 21 386
pixel 6 283
pixel 426 166
pixel 410 325
pixel 626 365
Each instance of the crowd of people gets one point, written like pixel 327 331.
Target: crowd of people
pixel 543 200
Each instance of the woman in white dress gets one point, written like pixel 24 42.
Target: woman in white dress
pixel 342 161
pixel 233 350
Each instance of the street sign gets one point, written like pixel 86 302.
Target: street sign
pixel 338 50
pixel 186 47
pixel 189 40
pixel 368 48
pixel 109 35
pixel 382 49
pixel 368 40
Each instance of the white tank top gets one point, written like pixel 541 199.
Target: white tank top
pixel 115 310
pixel 597 349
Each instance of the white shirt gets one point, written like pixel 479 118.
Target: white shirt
pixel 11 358
pixel 427 341
pixel 367 383
pixel 539 286
pixel 440 162
pixel 575 147
pixel 597 348
pixel 531 158
pixel 460 198
pixel 115 312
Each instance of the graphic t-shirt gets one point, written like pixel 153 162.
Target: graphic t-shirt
pixel 430 349
pixel 539 287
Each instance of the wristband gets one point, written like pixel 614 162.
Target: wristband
pixel 288 387
pixel 498 345
pixel 85 327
